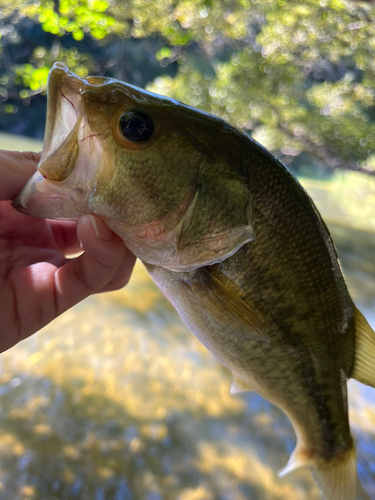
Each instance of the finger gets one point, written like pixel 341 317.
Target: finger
pixel 42 291
pixel 122 275
pixel 65 234
pixel 16 168
pixel 104 252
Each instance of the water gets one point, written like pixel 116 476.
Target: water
pixel 116 400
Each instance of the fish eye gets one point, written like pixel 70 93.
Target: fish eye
pixel 136 126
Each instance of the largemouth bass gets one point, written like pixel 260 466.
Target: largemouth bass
pixel 232 240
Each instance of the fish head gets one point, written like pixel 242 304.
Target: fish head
pixel 104 153
pixel 142 163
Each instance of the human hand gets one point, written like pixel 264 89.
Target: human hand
pixel 37 282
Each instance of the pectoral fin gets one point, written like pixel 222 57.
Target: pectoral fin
pixel 364 360
pixel 226 308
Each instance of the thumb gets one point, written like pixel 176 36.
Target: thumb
pixel 104 253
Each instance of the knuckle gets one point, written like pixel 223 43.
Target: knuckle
pixel 32 156
pixel 119 281
pixel 83 276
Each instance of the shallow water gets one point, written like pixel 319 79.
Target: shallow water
pixel 117 400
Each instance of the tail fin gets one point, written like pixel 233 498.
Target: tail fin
pixel 336 478
pixel 364 358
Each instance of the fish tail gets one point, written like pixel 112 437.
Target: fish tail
pixel 336 478
pixel 364 358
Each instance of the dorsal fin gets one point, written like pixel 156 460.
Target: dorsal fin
pixel 364 358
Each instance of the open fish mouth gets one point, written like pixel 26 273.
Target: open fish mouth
pixel 64 117
pixel 59 188
pixel 67 107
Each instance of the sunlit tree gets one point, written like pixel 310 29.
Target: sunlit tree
pixel 298 76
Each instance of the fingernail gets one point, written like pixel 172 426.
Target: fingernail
pixel 102 232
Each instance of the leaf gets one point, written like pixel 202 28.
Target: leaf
pixel 78 34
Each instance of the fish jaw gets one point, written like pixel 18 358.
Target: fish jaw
pixel 64 183
pixel 41 198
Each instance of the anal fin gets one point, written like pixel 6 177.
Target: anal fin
pixel 239 385
pixel 364 358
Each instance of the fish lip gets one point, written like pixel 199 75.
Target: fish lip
pixel 21 202
pixel 35 201
pixel 65 85
pixel 48 194
pixel 60 76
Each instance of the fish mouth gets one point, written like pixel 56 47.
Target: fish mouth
pixel 64 108
pixel 61 186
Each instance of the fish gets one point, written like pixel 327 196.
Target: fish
pixel 231 239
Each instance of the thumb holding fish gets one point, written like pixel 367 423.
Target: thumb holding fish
pixel 105 265
pixel 37 281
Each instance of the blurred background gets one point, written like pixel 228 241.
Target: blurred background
pixel 116 399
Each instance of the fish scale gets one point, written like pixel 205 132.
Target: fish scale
pixel 231 239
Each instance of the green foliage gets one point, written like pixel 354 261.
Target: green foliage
pixel 298 76
pixel 72 16
pixel 306 83
pixel 31 78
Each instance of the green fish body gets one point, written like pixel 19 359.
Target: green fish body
pixel 232 240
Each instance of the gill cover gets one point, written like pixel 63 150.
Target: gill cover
pixel 203 229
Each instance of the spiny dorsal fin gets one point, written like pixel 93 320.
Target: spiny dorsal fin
pixel 226 308
pixel 364 358
pixel 238 385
